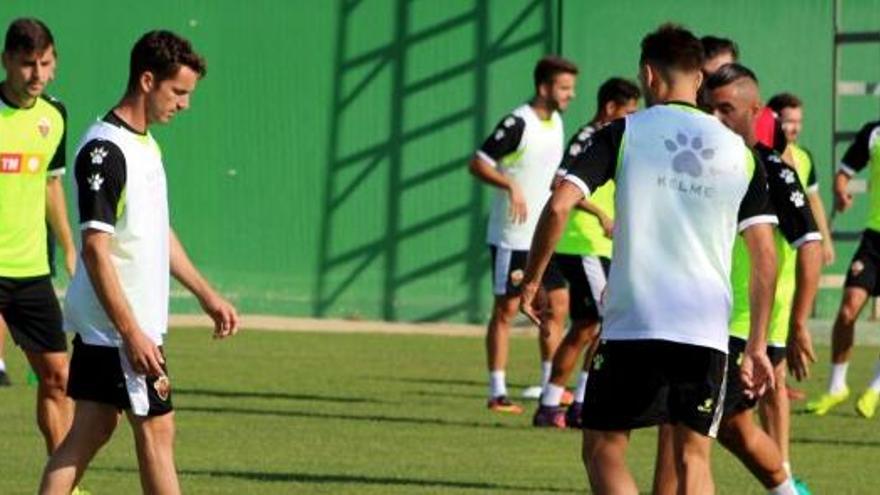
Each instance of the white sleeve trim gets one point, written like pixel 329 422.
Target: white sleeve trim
pixel 56 172
pixel 757 219
pixel 486 158
pixel 813 189
pixel 97 225
pixel 842 167
pixel 809 237
pixel 579 183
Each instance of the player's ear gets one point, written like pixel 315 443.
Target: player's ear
pixel 147 81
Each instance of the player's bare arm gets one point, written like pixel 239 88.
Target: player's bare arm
pixel 800 346
pixel 604 219
pixel 757 372
pixel 219 309
pixel 842 197
pixel 56 215
pixel 143 354
pixel 485 172
pixel 547 234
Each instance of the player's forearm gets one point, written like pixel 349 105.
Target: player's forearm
pixel 591 208
pixel 549 230
pixel 762 282
pixel 818 210
pixel 808 270
pixel 105 282
pixel 56 214
pixel 183 269
pixel 488 174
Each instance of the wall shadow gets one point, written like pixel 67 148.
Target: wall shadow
pixel 360 74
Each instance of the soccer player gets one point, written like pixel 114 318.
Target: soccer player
pixel 734 94
pixel 790 111
pixel 118 301
pixel 583 256
pixel 863 278
pixel 685 185
pixel 33 130
pixel 519 159
pixel 717 52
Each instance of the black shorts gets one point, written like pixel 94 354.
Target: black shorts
pixel 735 399
pixel 638 383
pixel 508 269
pixel 32 313
pixel 586 277
pixel 863 271
pixel 96 374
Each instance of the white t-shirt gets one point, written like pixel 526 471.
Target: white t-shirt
pixel 528 150
pixel 121 190
pixel 685 186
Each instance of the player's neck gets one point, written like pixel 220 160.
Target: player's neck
pixel 133 112
pixel 17 100
pixel 542 108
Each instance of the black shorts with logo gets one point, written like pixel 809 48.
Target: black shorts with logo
pixel 96 374
pixel 638 383
pixel 863 271
pixel 586 276
pixel 32 313
pixel 508 269
pixel 735 399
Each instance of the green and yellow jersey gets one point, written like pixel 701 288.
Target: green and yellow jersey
pixel 865 152
pixel 32 147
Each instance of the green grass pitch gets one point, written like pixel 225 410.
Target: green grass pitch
pixel 308 413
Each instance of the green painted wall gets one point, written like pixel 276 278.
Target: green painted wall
pixel 322 168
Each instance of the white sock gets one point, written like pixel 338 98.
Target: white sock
pixel 581 390
pixel 837 381
pixel 875 383
pixel 2 365
pixel 786 488
pixel 787 466
pixel 552 395
pixel 497 383
pixel 546 369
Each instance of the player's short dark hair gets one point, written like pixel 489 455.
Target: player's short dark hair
pixel 551 66
pixel 28 35
pixel 672 47
pixel 784 100
pixel 163 53
pixel 618 90
pixel 728 74
pixel 714 46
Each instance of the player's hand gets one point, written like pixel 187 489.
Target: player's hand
pixel 528 300
pixel 143 354
pixel 607 225
pixel 518 210
pixel 224 315
pixel 828 255
pixel 799 351
pixel 70 262
pixel 756 372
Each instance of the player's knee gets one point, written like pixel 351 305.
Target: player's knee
pixel 848 313
pixel 159 430
pixel 53 382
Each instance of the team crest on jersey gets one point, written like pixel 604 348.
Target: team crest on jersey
pixel 516 277
pixel 162 386
pixel 857 267
pixel 688 154
pixel 44 127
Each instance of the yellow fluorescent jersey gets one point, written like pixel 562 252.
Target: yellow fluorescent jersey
pixel 32 143
pixel 865 152
pixel 584 234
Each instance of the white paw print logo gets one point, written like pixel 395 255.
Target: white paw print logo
pixel 98 155
pixel 574 149
pixel 797 198
pixel 509 121
pixel 787 175
pixel 689 154
pixel 95 181
pixel 499 135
